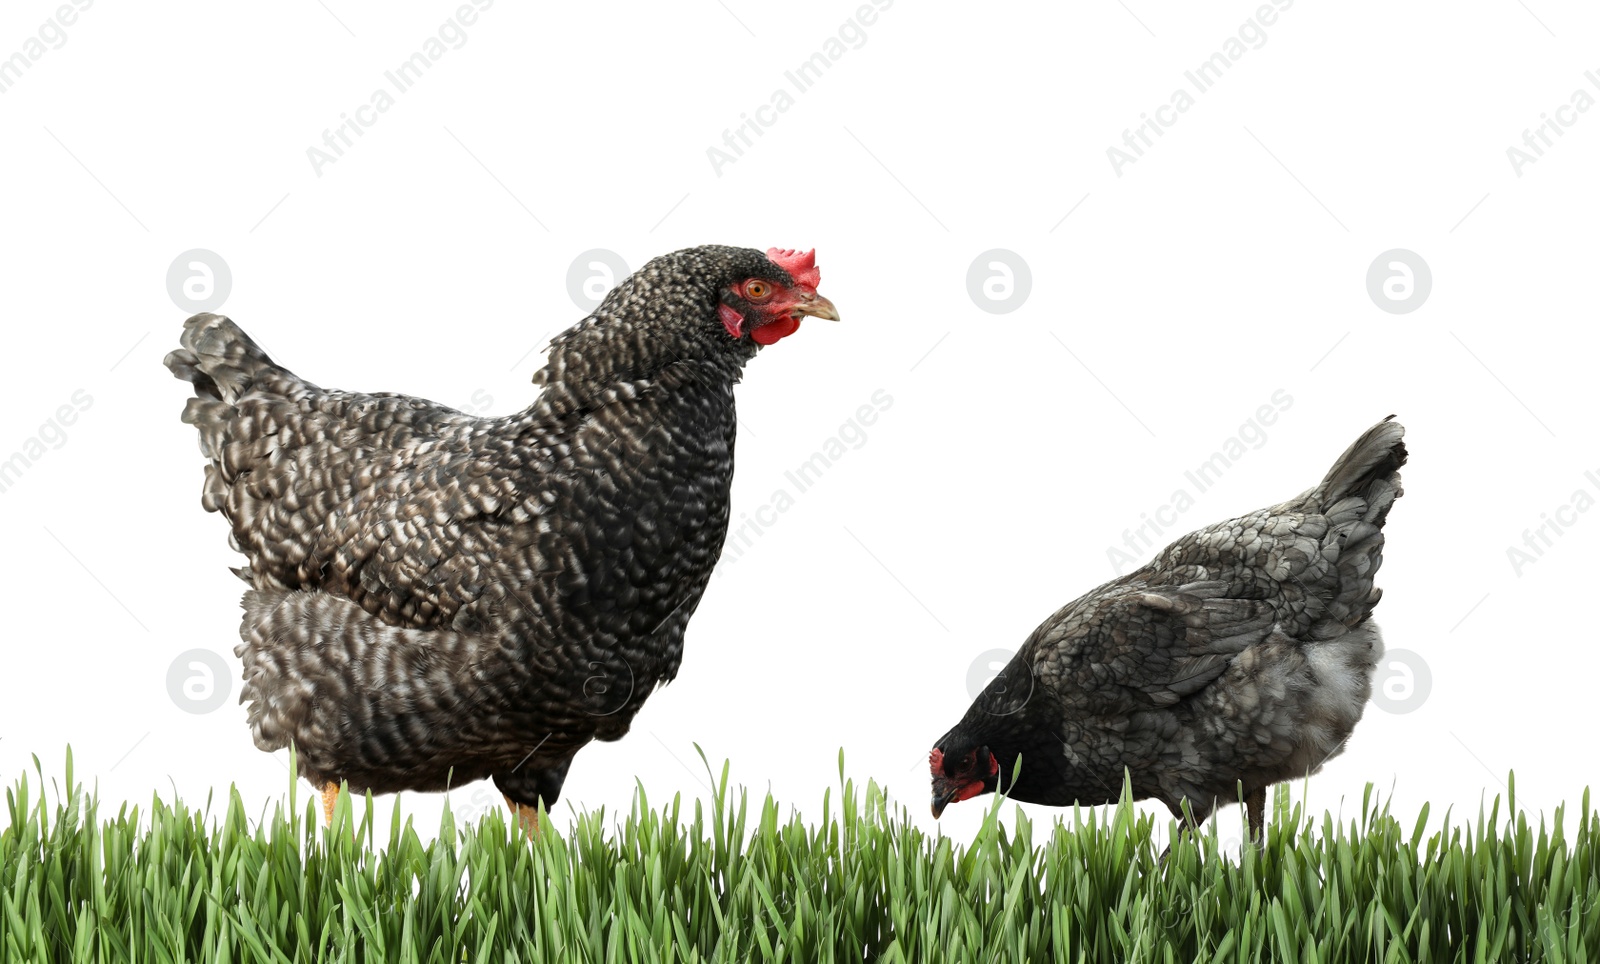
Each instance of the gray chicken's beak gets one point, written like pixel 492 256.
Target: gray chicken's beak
pixel 817 307
pixel 942 800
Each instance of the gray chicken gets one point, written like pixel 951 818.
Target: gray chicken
pixel 1241 655
pixel 436 598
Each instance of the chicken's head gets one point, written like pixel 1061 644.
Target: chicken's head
pixel 713 304
pixel 769 303
pixel 961 773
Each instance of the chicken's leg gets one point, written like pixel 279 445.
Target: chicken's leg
pixel 527 817
pixel 1255 806
pixel 540 782
pixel 1188 823
pixel 330 796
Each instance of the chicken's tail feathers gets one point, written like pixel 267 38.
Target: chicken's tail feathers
pixel 1355 498
pixel 224 365
pixel 1369 470
pixel 219 359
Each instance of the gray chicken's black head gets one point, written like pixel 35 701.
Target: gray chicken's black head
pixel 961 770
pixel 1005 722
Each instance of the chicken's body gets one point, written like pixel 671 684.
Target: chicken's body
pixel 437 598
pixel 1242 654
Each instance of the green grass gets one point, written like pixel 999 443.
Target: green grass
pixel 736 881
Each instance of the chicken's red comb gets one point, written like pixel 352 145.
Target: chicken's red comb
pixel 936 759
pixel 801 265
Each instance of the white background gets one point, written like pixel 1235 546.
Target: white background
pixel 1227 263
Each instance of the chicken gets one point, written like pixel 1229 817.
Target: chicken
pixel 1242 655
pixel 436 598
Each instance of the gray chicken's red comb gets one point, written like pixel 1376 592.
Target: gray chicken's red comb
pixel 801 265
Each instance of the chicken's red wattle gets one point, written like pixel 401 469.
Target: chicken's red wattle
pixel 769 333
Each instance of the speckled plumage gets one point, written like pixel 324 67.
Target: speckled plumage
pixel 437 597
pixel 1243 652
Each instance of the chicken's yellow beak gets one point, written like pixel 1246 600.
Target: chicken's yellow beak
pixel 816 306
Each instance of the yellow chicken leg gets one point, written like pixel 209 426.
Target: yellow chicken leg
pixel 330 796
pixel 527 817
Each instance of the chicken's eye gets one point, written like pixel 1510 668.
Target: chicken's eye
pixel 757 290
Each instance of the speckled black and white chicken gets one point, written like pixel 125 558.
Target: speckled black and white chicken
pixel 1242 654
pixel 435 597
